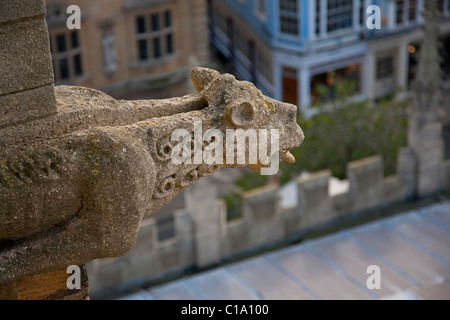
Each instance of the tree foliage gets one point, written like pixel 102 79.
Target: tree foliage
pixel 345 130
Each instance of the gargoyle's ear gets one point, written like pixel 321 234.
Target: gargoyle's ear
pixel 240 113
pixel 201 77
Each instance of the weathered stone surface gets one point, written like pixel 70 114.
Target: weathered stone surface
pixel 27 105
pixel 82 108
pixel 262 202
pixel 426 111
pixel 82 195
pixel 364 174
pixel 202 204
pixel 11 10
pixel 313 198
pixel 261 209
pixel 25 61
pixel 366 182
pixel 406 170
pixel 26 74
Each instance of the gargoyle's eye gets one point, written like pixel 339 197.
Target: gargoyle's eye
pixel 240 113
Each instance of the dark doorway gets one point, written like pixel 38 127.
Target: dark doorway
pixel 290 85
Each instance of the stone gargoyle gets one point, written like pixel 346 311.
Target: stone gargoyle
pixel 75 186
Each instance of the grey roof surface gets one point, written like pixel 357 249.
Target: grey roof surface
pixel 412 251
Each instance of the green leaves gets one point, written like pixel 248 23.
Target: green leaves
pixel 347 131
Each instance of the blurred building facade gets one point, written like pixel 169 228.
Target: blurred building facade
pixel 129 48
pixel 288 47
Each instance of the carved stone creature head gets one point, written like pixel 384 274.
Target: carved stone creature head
pixel 242 106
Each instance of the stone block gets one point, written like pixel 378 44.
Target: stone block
pixel 146 240
pixel 261 204
pixel 27 105
pixel 291 221
pixel 236 238
pixel 168 256
pixel 25 60
pixel 342 204
pixel 202 205
pixel 429 180
pixel 207 249
pixel 393 190
pixel 314 203
pixel 407 170
pixel 366 183
pixel 184 230
pixel 18 9
pixel 261 213
pixel 365 174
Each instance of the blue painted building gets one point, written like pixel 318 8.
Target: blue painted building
pixel 288 47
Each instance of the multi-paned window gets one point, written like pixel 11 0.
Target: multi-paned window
pixel 399 9
pixel 405 11
pixel 384 68
pixel 318 16
pixel 412 10
pixel 339 14
pixel 154 35
pixel 362 12
pixel 66 55
pixel 289 23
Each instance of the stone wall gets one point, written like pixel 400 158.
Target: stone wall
pixel 26 75
pixel 204 237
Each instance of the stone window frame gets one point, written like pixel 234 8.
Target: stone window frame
pixel 384 67
pixel 73 54
pixel 289 17
pixel 155 38
pixel 324 17
pixel 341 11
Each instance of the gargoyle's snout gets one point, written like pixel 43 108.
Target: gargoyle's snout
pixel 292 135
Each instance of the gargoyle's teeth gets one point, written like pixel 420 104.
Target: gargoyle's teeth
pixel 288 157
